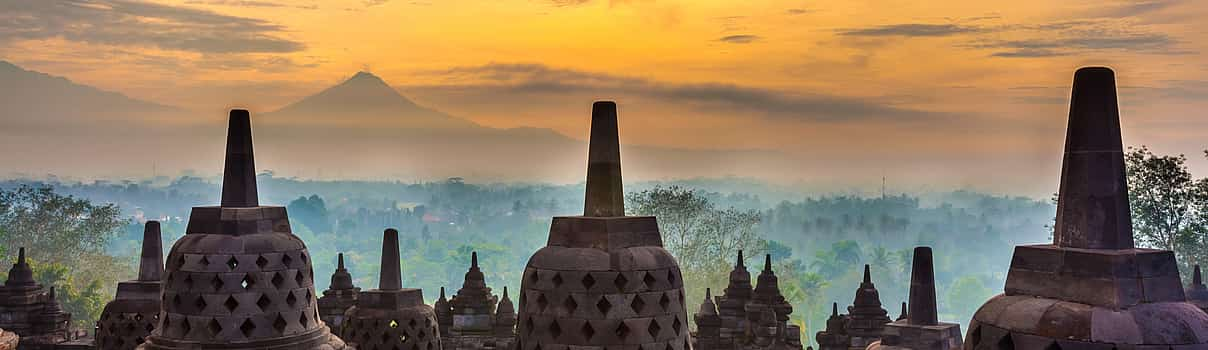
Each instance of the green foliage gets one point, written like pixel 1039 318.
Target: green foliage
pixel 965 295
pixel 1168 204
pixel 310 211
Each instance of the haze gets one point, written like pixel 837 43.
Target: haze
pixel 825 94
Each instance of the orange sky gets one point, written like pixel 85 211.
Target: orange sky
pixel 863 80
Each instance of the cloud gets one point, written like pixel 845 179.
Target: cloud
pixel 739 39
pixel 372 3
pixel 1132 8
pixel 797 11
pixel 250 3
pixel 498 79
pixel 140 23
pixel 1077 37
pixel 910 30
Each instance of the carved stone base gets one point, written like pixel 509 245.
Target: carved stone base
pixel 902 336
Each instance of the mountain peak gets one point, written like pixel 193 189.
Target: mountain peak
pixel 363 75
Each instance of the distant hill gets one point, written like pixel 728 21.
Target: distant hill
pixel 29 98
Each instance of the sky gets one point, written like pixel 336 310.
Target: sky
pixel 868 88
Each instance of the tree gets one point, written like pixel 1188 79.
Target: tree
pixel 310 211
pixel 1164 199
pixel 703 239
pixel 53 227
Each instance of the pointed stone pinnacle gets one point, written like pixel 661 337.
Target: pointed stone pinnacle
pixel 740 264
pixel 473 260
pixel 151 263
pixel 867 275
pixel 340 262
pixel 605 195
pixel 767 263
pixel 239 175
pixel 834 309
pixel 904 315
pixel 922 308
pixel 1092 203
pixel 51 295
pixel 392 271
pixel 20 274
pixel 442 293
pixel 505 292
pixel 1196 279
pixel 21 256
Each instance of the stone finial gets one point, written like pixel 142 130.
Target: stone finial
pixel 392 271
pixel 20 274
pixel 739 263
pixel 473 260
pixel 1196 278
pixel 834 309
pixel 904 315
pixel 239 176
pixel 442 294
pixel 605 196
pixel 151 263
pixel 341 279
pixel 867 275
pixel 707 307
pixel 1092 204
pixel 52 303
pixel 767 263
pixel 922 309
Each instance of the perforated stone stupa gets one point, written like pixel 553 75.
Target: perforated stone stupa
pixel 239 279
pixel 603 279
pixel 1091 288
pixel 134 312
pixel 391 317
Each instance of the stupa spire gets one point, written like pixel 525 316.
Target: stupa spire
pixel 1197 279
pixel 151 262
pixel 239 175
pixel 922 309
pixel 392 272
pixel 20 274
pixel 1092 204
pixel 605 195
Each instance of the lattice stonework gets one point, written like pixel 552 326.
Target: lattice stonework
pixel 402 332
pixel 124 330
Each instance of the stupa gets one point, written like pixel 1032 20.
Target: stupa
pixel 1091 288
pixel 1197 292
pixel 239 278
pixel 31 311
pixel 921 330
pixel 603 279
pixel 866 317
pixel 340 296
pixel 391 317
pixel 132 315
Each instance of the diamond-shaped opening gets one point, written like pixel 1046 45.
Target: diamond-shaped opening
pixel 677 325
pixel 216 283
pixel 305 321
pixel 528 325
pixel 554 329
pixel 405 337
pixel 393 324
pixel 261 261
pixel 588 281
pixel 649 280
pixel 176 300
pixel 279 324
pixel 542 302
pixel 637 304
pixel 303 256
pixel 620 281
pixel 671 276
pixel 423 334
pixel 557 279
pixel 603 305
pixel 654 328
pixel 214 327
pixel 291 299
pixel 411 323
pixel 200 303
pixel 247 281
pixel 231 304
pixel 300 278
pixel 1006 343
pixel 622 331
pixel 278 280
pixel 385 338
pixel 232 263
pixel 285 259
pixel 664 301
pixel 205 261
pixel 186 327
pixel 668 347
pixel 188 281
pixel 533 278
pixel 570 303
pixel 975 336
pixel 587 330
pixel 247 327
pixel 263 302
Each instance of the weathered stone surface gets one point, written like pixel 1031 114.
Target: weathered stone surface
pixel 759 322
pixel 603 279
pixel 133 314
pixel 239 279
pixel 391 317
pixel 1091 289
pixel 31 311
pixel 340 296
